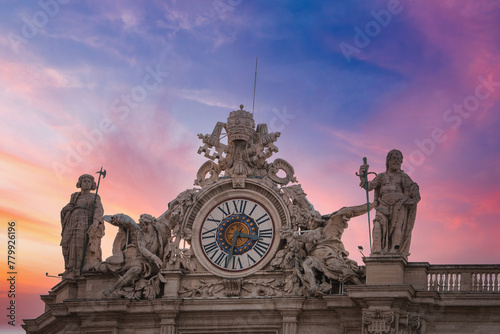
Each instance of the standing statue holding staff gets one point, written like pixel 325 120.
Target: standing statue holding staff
pixel 82 227
pixel 395 202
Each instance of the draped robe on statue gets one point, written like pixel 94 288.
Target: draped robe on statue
pixel 75 221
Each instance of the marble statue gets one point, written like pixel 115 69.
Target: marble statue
pixel 325 252
pixel 127 229
pixel 395 202
pixel 314 248
pixel 175 256
pixel 75 219
pixel 142 254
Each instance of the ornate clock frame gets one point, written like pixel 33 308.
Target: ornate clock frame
pixel 213 196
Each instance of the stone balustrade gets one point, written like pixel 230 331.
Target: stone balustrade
pixel 454 278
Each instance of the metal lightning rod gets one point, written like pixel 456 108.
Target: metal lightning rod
pixel 254 85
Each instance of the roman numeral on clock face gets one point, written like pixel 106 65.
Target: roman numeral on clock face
pixel 221 259
pixel 209 248
pixel 224 208
pixel 236 263
pixel 267 233
pixel 239 206
pixel 261 248
pixel 234 206
pixel 209 234
pixel 213 220
pixel 262 219
pixel 250 260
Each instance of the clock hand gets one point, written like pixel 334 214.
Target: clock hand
pixel 236 235
pixel 253 237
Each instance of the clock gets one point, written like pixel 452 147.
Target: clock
pixel 236 233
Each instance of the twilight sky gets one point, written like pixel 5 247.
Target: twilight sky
pixel 128 85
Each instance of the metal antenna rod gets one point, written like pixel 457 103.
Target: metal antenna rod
pixel 254 85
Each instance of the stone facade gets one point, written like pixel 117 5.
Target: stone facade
pixel 399 297
pixel 245 252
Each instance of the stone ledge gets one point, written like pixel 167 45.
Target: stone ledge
pixel 368 292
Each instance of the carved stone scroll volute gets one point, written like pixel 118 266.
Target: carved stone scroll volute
pixel 209 168
pixel 281 164
pixel 378 322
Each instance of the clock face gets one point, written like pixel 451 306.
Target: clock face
pixel 236 235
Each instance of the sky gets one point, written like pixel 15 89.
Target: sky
pixel 129 85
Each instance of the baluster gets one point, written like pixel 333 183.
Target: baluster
pixel 486 281
pixel 466 283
